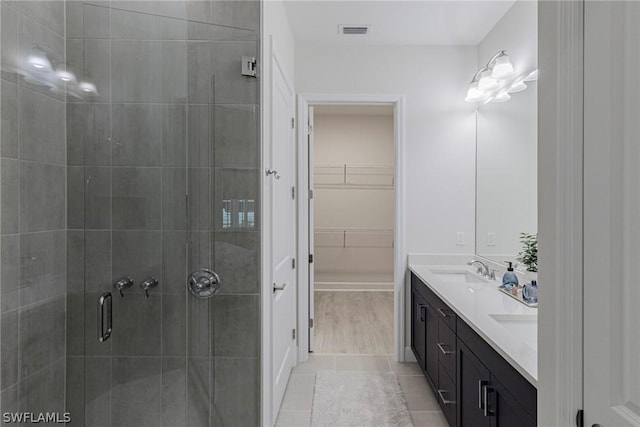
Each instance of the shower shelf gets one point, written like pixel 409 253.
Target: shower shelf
pixel 360 176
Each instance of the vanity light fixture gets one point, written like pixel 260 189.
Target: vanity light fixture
pixel 496 80
pixel 65 76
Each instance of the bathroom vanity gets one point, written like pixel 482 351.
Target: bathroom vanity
pixel 476 346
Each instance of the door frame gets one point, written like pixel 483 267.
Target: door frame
pixel 560 211
pixel 399 251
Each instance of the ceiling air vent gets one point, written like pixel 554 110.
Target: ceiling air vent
pixel 359 30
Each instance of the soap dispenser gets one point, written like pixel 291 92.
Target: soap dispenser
pixel 509 279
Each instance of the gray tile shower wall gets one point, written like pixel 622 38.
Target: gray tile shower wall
pixel 162 179
pixel 33 258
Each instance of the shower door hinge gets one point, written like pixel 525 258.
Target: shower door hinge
pixel 293 192
pixel 293 123
pixel 293 334
pixel 249 66
pixel 580 418
pixel 310 194
pixel 310 258
pixel 293 263
pixel 311 323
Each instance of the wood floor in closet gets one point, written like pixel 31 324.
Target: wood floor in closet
pixel 353 322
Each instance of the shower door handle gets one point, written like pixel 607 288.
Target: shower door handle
pixel 104 302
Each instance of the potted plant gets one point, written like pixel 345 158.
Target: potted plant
pixel 529 254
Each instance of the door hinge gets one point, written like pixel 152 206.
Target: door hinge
pixel 310 130
pixel 311 323
pixel 310 258
pixel 580 418
pixel 310 194
pixel 293 123
pixel 249 66
pixel 293 192
pixel 293 334
pixel 293 263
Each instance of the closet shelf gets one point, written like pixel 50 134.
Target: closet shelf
pixel 369 176
pixel 353 238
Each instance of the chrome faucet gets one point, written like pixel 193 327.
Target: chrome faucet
pixel 483 269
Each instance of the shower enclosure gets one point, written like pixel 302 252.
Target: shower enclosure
pixel 129 158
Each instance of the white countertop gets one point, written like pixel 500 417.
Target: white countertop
pixel 479 304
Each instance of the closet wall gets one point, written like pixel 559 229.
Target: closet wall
pixel 354 197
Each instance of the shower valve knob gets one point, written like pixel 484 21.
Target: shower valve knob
pixel 204 283
pixel 151 282
pixel 123 283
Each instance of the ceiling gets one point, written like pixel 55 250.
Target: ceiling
pixel 426 22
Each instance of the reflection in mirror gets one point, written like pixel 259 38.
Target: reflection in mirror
pixel 506 182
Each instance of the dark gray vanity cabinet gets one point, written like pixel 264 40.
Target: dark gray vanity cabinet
pixel 474 385
pixel 436 352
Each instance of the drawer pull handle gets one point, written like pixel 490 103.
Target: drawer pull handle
pixel 481 385
pixel 445 401
pixel 487 412
pixel 443 350
pixel 442 313
pixel 420 314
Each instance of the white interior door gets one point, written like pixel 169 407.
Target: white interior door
pixel 611 214
pixel 311 226
pixel 282 245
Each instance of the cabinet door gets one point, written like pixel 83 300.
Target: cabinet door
pixel 507 411
pixel 418 318
pixel 432 345
pixel 473 377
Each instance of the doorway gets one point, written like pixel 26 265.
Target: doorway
pixel 351 221
pixel 350 226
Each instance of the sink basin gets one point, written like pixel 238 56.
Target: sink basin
pixel 524 326
pixel 461 276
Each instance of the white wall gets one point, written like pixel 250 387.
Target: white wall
pixel 345 259
pixel 439 131
pixel 440 128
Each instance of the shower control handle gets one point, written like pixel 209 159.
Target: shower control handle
pixel 123 283
pixel 151 282
pixel 204 283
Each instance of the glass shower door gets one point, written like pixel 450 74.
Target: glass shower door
pixel 162 182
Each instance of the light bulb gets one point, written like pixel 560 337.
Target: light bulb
pixel 485 82
pixel 502 67
pixel 502 97
pixel 474 94
pixel 39 60
pixel 65 76
pixel 517 87
pixel 532 76
pixel 88 87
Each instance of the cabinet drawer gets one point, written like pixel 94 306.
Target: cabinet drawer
pixel 446 395
pixel 443 310
pixel 447 349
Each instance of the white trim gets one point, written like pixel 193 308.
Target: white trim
pixel 560 211
pixel 400 255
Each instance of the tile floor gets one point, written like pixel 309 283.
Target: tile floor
pixel 296 406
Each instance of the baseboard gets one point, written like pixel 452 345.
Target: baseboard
pixel 352 286
pixel 408 355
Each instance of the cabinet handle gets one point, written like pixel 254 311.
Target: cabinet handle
pixel 445 401
pixel 443 350
pixel 487 412
pixel 420 314
pixel 442 313
pixel 481 385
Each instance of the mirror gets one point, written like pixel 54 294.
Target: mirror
pixel 506 180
